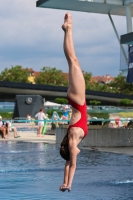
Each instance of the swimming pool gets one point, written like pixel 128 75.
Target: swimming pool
pixel 34 171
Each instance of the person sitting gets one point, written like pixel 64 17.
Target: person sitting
pixel 55 117
pixel 2 128
pixel 10 127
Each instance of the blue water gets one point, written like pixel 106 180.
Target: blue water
pixel 34 171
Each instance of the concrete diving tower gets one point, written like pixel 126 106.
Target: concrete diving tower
pixel 109 7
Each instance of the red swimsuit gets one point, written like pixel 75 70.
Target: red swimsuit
pixel 82 123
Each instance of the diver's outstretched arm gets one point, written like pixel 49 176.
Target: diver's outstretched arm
pixel 66 175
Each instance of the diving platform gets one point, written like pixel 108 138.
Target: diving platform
pixel 113 7
pixel 109 7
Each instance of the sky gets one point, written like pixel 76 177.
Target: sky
pixel 32 37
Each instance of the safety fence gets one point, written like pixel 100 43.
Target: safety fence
pixel 50 125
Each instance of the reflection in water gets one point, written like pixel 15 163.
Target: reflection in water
pixel 35 171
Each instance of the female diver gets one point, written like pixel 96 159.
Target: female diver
pixel 76 96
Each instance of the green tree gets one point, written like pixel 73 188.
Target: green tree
pixel 126 102
pixel 87 77
pixel 15 74
pixel 101 87
pixel 61 101
pixel 51 76
pixel 95 102
pixel 99 115
pixel 6 115
pixel 119 85
pixel 92 85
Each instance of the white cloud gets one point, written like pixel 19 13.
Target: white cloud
pixel 32 37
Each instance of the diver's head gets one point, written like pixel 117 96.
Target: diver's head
pixel 64 152
pixel 64 149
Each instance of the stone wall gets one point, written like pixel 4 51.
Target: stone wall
pixel 102 137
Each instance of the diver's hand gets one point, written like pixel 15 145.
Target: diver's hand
pixel 62 187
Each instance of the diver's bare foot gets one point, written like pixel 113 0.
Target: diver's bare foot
pixel 67 22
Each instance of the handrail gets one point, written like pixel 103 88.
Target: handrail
pixel 50 120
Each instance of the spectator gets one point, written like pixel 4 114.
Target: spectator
pixel 112 124
pixel 88 118
pixel 55 116
pixel 28 117
pixel 65 111
pixel 10 127
pixel 45 125
pixel 70 115
pixel 118 123
pixel 40 116
pixel 117 120
pixel 2 128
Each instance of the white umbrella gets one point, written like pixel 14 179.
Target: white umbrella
pixel 48 104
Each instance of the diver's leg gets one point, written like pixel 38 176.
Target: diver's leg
pixel 76 90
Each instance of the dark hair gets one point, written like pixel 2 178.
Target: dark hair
pixel 64 149
pixel 41 109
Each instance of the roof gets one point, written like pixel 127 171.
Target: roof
pixel 114 7
pixel 51 90
pixel 105 79
pixel 36 73
pixel 49 103
pixel 102 79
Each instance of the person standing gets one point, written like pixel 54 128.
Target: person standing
pixel 55 117
pixel 40 116
pixel 65 112
pixel 28 117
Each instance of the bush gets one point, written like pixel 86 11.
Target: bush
pixel 126 102
pixel 95 102
pixel 99 115
pixel 61 101
pixel 126 114
pixel 6 115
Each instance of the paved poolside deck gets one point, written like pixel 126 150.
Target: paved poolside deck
pixel 27 136
pixel 51 139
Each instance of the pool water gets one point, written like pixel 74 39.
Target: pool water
pixel 34 171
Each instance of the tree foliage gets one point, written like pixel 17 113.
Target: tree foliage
pixel 126 101
pixel 95 102
pixel 99 115
pixel 15 74
pixel 92 85
pixel 6 115
pixel 61 101
pixel 87 77
pixel 119 85
pixel 51 76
